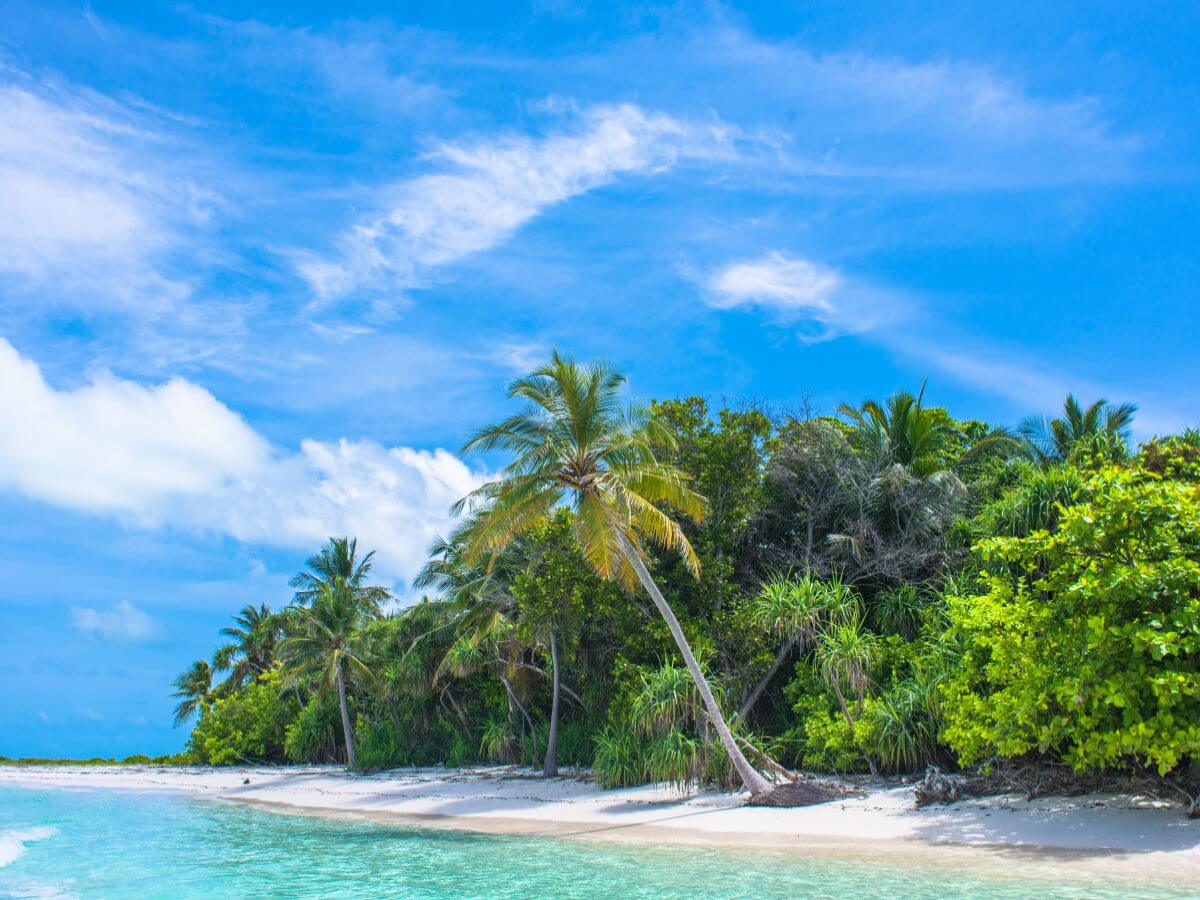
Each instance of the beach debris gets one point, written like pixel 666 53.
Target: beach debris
pixel 804 792
pixel 937 787
pixel 245 781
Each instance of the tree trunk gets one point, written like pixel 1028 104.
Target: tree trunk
pixel 550 766
pixel 513 699
pixel 849 721
pixel 752 697
pixel 347 731
pixel 753 781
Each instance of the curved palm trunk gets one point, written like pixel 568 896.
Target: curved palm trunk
pixel 347 731
pixel 753 781
pixel 550 766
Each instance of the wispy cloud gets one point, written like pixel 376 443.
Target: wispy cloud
pixel 121 622
pixel 825 303
pixel 173 455
pixel 948 123
pixel 89 199
pixel 481 192
pixel 821 301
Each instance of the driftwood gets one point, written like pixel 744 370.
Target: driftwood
pixel 937 787
pixel 1041 779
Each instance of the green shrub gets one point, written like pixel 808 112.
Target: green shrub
pixel 380 745
pixel 1087 641
pixel 575 744
pixel 674 758
pixel 618 761
pixel 244 726
pixel 497 742
pixel 830 745
pixel 905 724
pixel 315 734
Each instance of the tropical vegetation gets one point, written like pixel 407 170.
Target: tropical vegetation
pixel 674 593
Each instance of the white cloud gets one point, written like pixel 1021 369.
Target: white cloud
pixel 823 300
pixel 776 281
pixel 173 455
pixel 89 197
pixel 117 446
pixel 394 499
pixel 123 622
pixel 485 191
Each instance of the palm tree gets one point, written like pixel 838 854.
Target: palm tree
pixel 487 617
pixel 252 651
pixel 576 443
pixel 330 636
pixel 792 610
pixel 903 431
pixel 1053 440
pixel 195 688
pixel 338 559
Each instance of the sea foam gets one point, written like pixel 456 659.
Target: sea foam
pixel 12 843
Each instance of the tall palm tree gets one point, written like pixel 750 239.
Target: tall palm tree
pixel 338 560
pixel 252 649
pixel 1053 440
pixel 903 431
pixel 330 637
pixel 576 442
pixel 194 687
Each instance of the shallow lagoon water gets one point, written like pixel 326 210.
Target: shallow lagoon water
pixel 112 844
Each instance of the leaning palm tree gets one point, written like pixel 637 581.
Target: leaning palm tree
pixel 194 687
pixel 338 559
pixel 330 637
pixel 1053 440
pixel 576 442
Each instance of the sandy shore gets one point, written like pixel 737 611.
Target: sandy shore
pixel 1057 838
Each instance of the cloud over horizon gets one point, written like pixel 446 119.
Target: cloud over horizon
pixel 173 455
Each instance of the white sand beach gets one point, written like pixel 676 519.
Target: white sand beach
pixel 1114 836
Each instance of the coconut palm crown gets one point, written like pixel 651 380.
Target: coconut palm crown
pixel 575 443
pixel 338 560
pixel 1054 439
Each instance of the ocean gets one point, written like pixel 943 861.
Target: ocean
pixel 75 843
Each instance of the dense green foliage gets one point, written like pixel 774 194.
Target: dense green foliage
pixel 875 591
pixel 1086 641
pixel 244 726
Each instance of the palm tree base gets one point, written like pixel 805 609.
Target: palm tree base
pixel 806 792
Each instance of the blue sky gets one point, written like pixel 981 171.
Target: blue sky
pixel 259 278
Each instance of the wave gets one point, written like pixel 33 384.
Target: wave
pixel 12 843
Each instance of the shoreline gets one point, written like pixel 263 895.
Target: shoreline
pixel 1089 837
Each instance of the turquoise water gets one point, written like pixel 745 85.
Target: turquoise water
pixel 107 844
